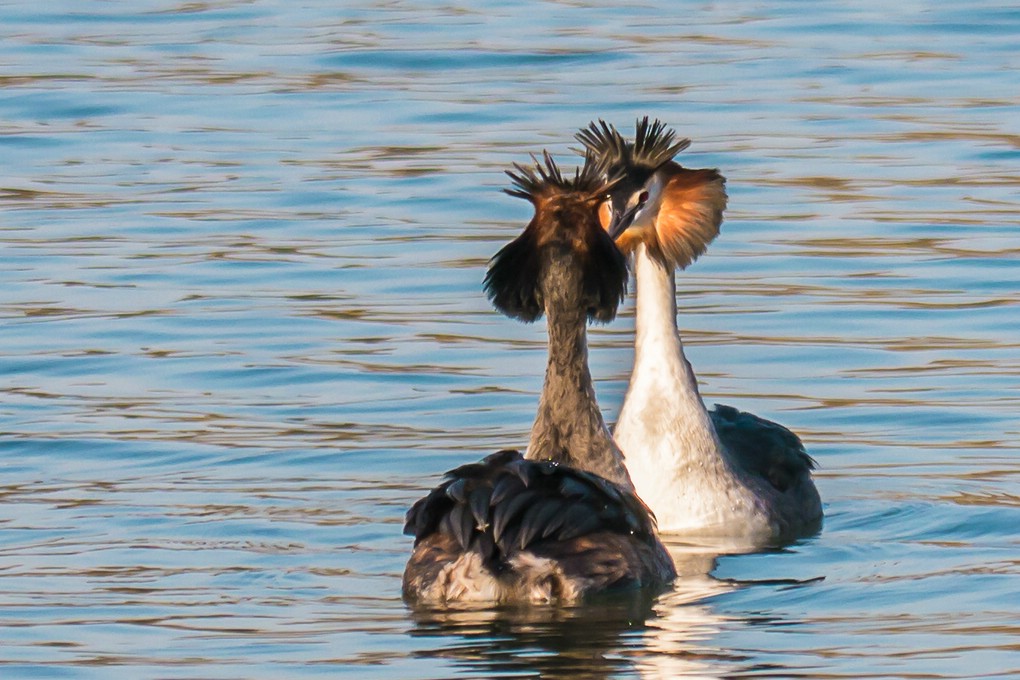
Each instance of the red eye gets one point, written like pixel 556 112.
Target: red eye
pixel 643 197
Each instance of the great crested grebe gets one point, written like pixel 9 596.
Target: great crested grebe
pixel 563 521
pixel 720 472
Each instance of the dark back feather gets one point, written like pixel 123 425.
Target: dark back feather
pixel 506 504
pixel 761 447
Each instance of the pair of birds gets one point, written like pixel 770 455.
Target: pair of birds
pixel 579 513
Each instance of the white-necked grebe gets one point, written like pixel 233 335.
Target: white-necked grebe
pixel 723 472
pixel 563 521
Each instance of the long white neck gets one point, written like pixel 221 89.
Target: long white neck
pixel 664 429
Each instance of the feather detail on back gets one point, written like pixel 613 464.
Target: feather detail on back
pixel 493 521
pixel 761 447
pixel 506 503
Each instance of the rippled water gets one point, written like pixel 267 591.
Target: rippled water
pixel 242 327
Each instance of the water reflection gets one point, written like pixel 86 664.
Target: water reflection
pixel 678 640
pixel 649 635
pixel 586 641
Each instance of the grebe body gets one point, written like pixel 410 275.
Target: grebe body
pixel 719 472
pixel 561 523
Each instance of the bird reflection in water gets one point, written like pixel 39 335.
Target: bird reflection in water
pixel 637 634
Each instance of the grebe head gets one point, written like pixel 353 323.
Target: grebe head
pixel 564 258
pixel 674 211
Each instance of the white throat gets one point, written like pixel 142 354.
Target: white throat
pixel 675 458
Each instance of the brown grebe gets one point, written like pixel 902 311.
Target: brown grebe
pixel 561 522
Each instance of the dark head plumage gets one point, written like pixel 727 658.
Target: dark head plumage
pixel 565 224
pixel 679 213
pixel 654 145
pixel 537 182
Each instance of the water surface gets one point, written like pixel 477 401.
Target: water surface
pixel 241 327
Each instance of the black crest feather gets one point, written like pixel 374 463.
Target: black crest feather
pixel 654 144
pixel 538 181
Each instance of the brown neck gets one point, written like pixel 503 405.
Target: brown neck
pixel 569 427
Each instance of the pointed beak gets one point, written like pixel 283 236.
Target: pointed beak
pixel 621 220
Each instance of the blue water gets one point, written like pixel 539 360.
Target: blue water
pixel 242 330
